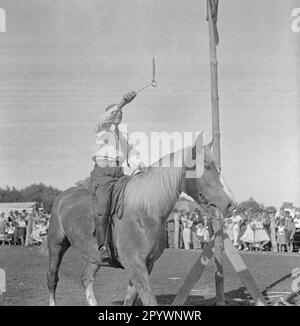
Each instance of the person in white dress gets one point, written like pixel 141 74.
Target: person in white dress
pixel 247 238
pixel 187 223
pixel 207 229
pixel 261 237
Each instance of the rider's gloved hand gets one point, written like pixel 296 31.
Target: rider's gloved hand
pixel 128 97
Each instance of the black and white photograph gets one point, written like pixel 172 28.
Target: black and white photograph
pixel 149 155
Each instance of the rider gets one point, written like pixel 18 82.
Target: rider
pixel 112 150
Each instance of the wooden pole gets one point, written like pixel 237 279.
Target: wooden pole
pixel 213 40
pixel 212 10
pixel 220 238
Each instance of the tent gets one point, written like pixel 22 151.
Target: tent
pixel 187 205
pixel 7 207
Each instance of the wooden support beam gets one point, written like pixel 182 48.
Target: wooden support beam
pixel 219 273
pixel 243 272
pixel 194 274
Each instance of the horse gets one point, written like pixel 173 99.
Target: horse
pixel 139 236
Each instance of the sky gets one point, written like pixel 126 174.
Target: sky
pixel 62 62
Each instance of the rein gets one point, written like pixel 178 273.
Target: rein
pixel 202 201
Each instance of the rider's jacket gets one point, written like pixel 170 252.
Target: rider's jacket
pixel 111 146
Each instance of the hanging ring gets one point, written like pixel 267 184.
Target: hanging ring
pixel 153 83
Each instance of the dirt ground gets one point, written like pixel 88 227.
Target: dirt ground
pixel 26 278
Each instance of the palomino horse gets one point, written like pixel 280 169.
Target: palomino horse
pixel 139 235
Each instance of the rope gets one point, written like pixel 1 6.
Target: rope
pixel 152 27
pixel 140 90
pixel 153 82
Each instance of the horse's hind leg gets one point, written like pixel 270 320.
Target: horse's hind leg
pixel 86 244
pixel 56 253
pixel 87 279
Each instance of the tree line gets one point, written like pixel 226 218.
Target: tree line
pixel 45 195
pixel 40 193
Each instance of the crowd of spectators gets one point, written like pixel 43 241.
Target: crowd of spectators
pixel 249 230
pixel 265 229
pixel 192 230
pixel 23 228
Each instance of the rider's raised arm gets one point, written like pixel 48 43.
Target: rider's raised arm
pixel 127 98
pixel 107 118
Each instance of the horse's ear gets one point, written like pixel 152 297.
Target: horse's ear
pixel 194 159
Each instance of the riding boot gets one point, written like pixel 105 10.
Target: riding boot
pixel 101 225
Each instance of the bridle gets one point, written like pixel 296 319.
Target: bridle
pixel 204 202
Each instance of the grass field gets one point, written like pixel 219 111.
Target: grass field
pixel 26 278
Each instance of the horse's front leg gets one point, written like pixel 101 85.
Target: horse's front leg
pixel 132 293
pixel 139 276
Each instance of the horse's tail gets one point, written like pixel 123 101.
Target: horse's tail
pixel 43 249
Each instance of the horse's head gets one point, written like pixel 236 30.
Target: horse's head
pixel 203 180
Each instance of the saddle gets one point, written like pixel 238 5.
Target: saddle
pixel 116 209
pixel 117 200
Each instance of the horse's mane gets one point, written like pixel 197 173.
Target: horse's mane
pixel 155 191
